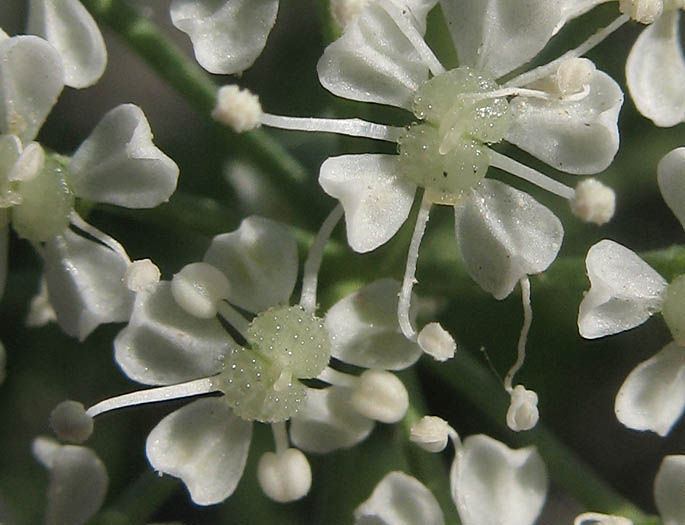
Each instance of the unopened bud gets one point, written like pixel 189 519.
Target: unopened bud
pixel 141 274
pixel 431 433
pixel 523 411
pixel 286 476
pixel 380 395
pixel 70 422
pixel 593 202
pixel 238 108
pixel 198 288
pixel 437 342
pixel 642 11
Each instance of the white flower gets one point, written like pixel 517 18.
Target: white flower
pixel 175 338
pixel 117 164
pixel 490 483
pixel 564 113
pixel 625 291
pixel 227 35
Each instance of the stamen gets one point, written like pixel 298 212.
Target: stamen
pixel 527 320
pixel 196 387
pixel 404 302
pixel 314 257
pixel 233 317
pixel 280 437
pixel 336 378
pixel 401 18
pixel 549 68
pixel 505 92
pixel 352 126
pixel 101 236
pixel 526 173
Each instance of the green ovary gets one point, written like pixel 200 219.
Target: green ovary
pixel 447 152
pixel 286 344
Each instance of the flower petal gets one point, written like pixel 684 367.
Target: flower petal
pixel 327 421
pixel 671 178
pixel 364 330
pixel 119 164
pixel 260 261
pixel 227 35
pixel 162 344
pixel 624 291
pixel 373 62
pixel 494 484
pixel 669 487
pixel 85 284
pixel 377 199
pixel 653 395
pixel 655 71
pixel 579 137
pixel 497 36
pixel 504 234
pixel 205 444
pixel 399 499
pixel 31 80
pixel 68 26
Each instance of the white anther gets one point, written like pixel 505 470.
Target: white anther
pixel 593 202
pixel 141 274
pixel 431 433
pixel 198 287
pixel 70 422
pixel 381 396
pixel 643 11
pixel 40 311
pixel 601 519
pixel 523 411
pixel 29 164
pixel 574 75
pixel 346 11
pixel 286 476
pixel 437 342
pixel 238 108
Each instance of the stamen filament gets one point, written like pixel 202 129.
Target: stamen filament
pixel 101 236
pixel 314 257
pixel 352 126
pixel 506 92
pixel 523 337
pixel 404 302
pixel 409 30
pixel 280 437
pixel 336 378
pixel 195 387
pixel 551 67
pixel 526 173
pixel 233 317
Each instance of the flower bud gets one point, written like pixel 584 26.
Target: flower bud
pixel 141 274
pixel 70 422
pixel 437 342
pixel 237 108
pixel 593 202
pixel 380 395
pixel 430 433
pixel 198 288
pixel 523 411
pixel 285 476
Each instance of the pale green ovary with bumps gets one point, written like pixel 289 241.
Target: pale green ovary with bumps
pixel 674 309
pixel 262 382
pixel 446 153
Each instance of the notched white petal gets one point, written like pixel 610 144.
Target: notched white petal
pixel 399 499
pixel 260 261
pixel 655 71
pixel 227 35
pixel 31 80
pixel 671 178
pixel 653 395
pixel 669 487
pixel 373 62
pixel 575 136
pixel 505 234
pixel 364 330
pixel 68 26
pixel 163 344
pixel 205 444
pixel 85 284
pixel 494 484
pixel 624 291
pixel 375 196
pixel 119 164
